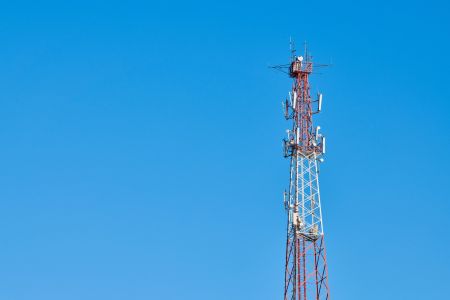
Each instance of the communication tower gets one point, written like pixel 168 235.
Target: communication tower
pixel 306 272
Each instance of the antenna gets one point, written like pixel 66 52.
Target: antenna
pixel 320 102
pixel 292 47
pixel 306 51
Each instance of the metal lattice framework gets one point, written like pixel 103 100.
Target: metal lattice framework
pixel 306 274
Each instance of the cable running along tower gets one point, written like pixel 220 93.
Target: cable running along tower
pixel 306 274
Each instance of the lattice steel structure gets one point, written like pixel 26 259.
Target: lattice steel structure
pixel 306 273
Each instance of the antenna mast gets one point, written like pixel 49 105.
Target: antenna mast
pixel 306 272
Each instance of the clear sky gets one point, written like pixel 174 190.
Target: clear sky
pixel 141 158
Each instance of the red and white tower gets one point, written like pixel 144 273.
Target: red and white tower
pixel 306 273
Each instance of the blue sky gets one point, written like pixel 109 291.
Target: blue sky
pixel 141 149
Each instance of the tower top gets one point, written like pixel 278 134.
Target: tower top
pixel 300 64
